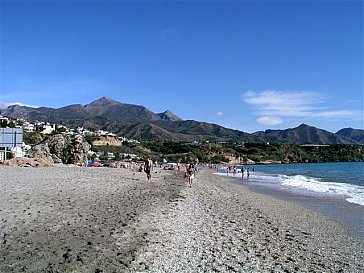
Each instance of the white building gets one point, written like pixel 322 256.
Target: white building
pixel 28 127
pixel 101 133
pixel 4 119
pixel 20 151
pixel 48 129
pixel 17 152
pixel 63 128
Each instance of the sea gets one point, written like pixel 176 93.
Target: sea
pixel 335 189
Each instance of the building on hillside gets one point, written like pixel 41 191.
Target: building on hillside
pixel 132 141
pixel 48 129
pixel 101 133
pixel 79 130
pixel 194 143
pixel 62 128
pixel 122 139
pixel 28 127
pixel 127 157
pixel 2 118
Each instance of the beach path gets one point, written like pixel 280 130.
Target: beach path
pixel 72 219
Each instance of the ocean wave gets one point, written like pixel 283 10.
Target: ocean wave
pixel 352 193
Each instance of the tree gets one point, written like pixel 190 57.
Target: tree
pixel 104 156
pixel 3 123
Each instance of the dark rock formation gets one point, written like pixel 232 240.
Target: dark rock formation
pixel 62 149
pixel 168 115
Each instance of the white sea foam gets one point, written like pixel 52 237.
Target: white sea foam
pixel 352 193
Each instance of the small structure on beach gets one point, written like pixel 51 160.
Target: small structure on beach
pixel 10 138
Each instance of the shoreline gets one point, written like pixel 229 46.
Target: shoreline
pixel 349 214
pixel 112 220
pixel 338 209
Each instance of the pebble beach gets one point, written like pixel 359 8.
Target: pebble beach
pixel 77 219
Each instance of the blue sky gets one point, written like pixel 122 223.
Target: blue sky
pixel 246 65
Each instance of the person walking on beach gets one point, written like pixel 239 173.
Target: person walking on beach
pixel 191 173
pixel 148 166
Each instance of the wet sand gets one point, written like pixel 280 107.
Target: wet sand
pixel 72 219
pixel 349 214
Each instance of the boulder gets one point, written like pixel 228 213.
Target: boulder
pixel 41 151
pixel 27 162
pixel 56 145
pixel 77 153
pixel 62 149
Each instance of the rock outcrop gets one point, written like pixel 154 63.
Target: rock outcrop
pixel 27 162
pixel 106 141
pixel 62 149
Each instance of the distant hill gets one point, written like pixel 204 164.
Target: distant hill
pixel 303 134
pixel 138 122
pixel 355 134
pixel 205 131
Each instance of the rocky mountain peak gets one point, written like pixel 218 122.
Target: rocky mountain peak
pixel 168 115
pixel 103 102
pixel 16 110
pixel 303 126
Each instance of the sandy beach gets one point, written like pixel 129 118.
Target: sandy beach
pixel 74 219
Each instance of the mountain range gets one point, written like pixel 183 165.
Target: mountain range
pixel 138 122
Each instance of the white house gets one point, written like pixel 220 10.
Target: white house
pixel 4 119
pixel 48 129
pixel 28 127
pixel 101 133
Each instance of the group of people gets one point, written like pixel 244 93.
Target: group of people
pixel 147 167
pixel 234 170
pixel 247 172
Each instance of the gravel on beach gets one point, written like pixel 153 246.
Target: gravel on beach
pixel 74 219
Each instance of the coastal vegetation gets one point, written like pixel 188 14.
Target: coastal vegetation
pixel 240 153
pixel 279 153
pixel 223 152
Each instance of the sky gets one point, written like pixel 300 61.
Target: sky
pixel 246 65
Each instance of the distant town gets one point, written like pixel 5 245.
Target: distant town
pixel 100 137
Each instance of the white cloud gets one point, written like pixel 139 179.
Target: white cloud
pixel 284 103
pixel 220 113
pixel 296 104
pixel 269 120
pixel 336 114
